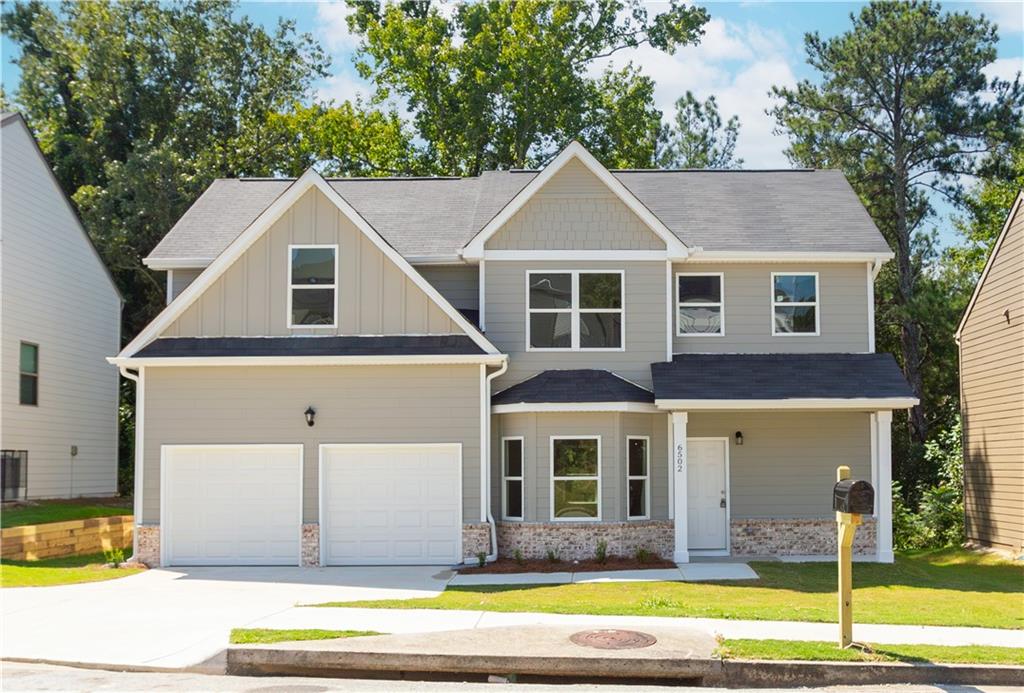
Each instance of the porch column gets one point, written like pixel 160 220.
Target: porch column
pixel 681 552
pixel 883 439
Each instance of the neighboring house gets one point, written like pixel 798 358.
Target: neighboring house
pixel 991 341
pixel 678 359
pixel 60 317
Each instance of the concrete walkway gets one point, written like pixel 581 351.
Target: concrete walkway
pixel 693 572
pixel 435 620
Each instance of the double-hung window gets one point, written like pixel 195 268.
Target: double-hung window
pixel 578 310
pixel 795 304
pixel 28 374
pixel 512 478
pixel 638 474
pixel 700 306
pixel 575 478
pixel 312 285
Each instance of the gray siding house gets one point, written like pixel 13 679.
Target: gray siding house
pixel 60 316
pixel 418 371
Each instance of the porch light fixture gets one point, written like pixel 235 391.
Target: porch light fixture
pixel 310 415
pixel 739 437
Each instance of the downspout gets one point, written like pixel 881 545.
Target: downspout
pixel 486 456
pixel 137 495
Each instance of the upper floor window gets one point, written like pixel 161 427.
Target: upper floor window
pixel 575 310
pixel 795 304
pixel 700 308
pixel 312 285
pixel 28 374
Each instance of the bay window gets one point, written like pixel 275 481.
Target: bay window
pixel 575 478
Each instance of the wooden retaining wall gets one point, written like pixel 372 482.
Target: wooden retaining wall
pixel 71 538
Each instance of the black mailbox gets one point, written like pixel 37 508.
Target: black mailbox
pixel 853 496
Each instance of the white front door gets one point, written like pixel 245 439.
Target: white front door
pixel 231 504
pixel 391 504
pixel 706 494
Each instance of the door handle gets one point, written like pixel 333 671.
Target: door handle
pixel 722 503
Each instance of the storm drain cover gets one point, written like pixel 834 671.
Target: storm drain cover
pixel 613 639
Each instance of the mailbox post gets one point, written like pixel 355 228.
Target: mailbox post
pixel 850 499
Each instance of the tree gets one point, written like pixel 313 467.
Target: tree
pixel 503 84
pixel 698 138
pixel 904 109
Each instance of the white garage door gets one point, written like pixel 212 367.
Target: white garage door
pixel 391 504
pixel 231 505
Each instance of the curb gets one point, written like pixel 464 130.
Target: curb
pixel 265 661
pixel 200 668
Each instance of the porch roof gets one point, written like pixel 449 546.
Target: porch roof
pixel 419 345
pixel 573 386
pixel 781 380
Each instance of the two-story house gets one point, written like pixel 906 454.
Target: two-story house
pixel 410 370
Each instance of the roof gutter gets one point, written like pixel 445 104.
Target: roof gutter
pixel 791 404
pixel 362 360
pixel 161 264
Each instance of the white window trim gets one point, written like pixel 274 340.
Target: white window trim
pixel 816 304
pixel 574 311
pixel 553 479
pixel 31 375
pixel 312 287
pixel 646 478
pixel 720 305
pixel 521 479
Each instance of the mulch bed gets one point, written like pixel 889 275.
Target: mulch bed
pixel 537 565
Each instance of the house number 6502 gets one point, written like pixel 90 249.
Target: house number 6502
pixel 680 458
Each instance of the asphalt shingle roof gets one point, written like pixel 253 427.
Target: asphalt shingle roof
pixel 573 386
pixel 793 211
pixel 779 376
pixel 439 345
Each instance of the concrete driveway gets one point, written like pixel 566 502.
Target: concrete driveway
pixel 181 617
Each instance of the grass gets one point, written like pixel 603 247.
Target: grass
pixel 830 652
pixel 58 511
pixel 259 636
pixel 60 571
pixel 940 588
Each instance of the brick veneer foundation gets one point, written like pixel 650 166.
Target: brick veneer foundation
pixel 476 537
pixel 578 540
pixel 795 537
pixel 310 549
pixel 148 537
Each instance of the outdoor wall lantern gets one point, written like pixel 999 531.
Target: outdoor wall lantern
pixel 310 415
pixel 739 437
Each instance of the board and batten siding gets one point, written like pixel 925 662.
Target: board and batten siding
pixel 374 296
pixel 613 429
pixel 354 404
pixel 575 211
pixel 842 303
pixel 55 293
pixel 460 284
pixel 992 399
pixel 644 321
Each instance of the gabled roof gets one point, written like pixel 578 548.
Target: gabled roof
pixel 9 118
pixel 857 380
pixel 474 250
pixel 584 385
pixel 432 219
pixel 1014 210
pixel 288 197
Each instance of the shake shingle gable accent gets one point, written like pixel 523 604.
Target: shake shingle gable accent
pixel 573 386
pixel 707 380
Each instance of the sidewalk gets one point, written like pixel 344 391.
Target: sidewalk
pixel 436 620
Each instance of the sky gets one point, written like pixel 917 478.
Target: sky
pixel 747 47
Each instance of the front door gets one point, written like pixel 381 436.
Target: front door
pixel 707 514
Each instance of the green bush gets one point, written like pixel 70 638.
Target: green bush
pixel 601 553
pixel 938 520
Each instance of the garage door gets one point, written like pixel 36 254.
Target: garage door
pixel 391 504
pixel 231 505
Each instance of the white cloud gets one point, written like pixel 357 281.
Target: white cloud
pixel 1004 68
pixel 332 26
pixel 737 64
pixel 1007 14
pixel 343 86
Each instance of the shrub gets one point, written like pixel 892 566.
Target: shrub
pixel 481 558
pixel 643 555
pixel 518 555
pixel 553 556
pixel 601 553
pixel 115 557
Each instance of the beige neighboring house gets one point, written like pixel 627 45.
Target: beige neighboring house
pixel 991 341
pixel 60 315
pixel 420 370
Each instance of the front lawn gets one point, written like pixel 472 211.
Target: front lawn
pixel 61 511
pixel 60 571
pixel 262 636
pixel 943 588
pixel 830 652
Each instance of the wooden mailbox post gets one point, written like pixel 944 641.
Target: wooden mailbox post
pixel 850 500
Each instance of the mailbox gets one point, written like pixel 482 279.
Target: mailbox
pixel 853 496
